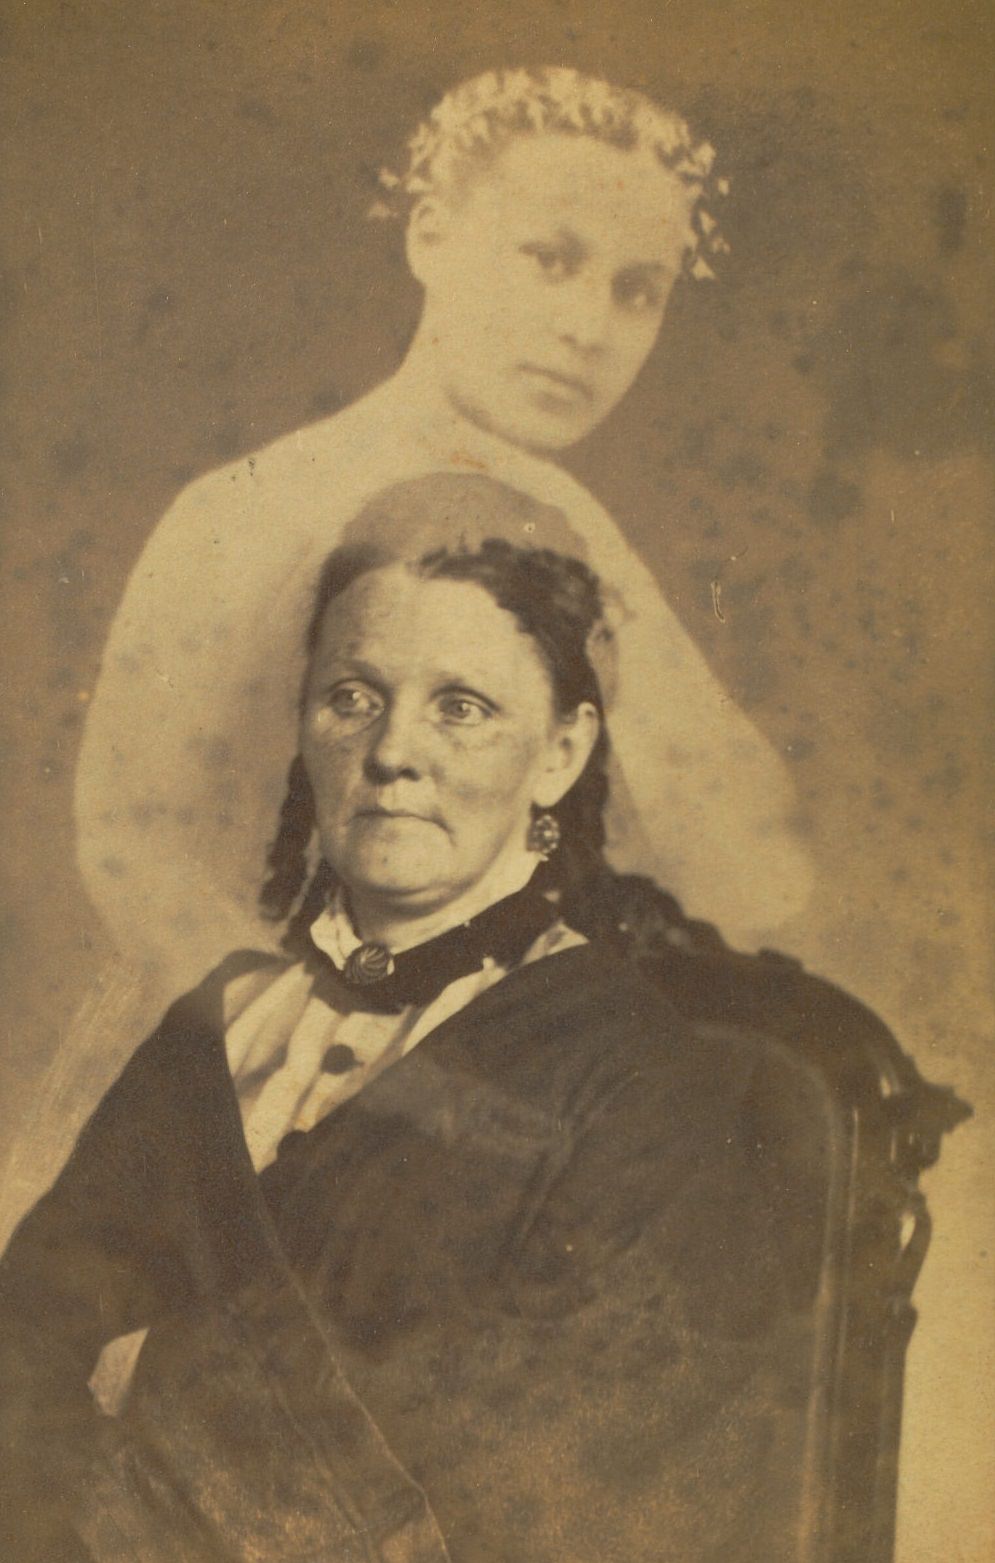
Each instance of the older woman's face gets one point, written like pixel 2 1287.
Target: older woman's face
pixel 546 282
pixel 429 729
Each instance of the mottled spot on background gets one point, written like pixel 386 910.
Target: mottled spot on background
pixel 895 728
pixel 257 112
pixel 327 399
pixel 147 813
pixel 948 779
pixel 366 54
pixel 158 307
pixel 70 457
pixel 9 300
pixel 890 378
pixel 227 441
pixel 743 467
pixel 881 795
pixel 935 969
pixel 950 217
pixel 759 680
pixel 631 1464
pixel 795 185
pixel 831 498
pixel 214 751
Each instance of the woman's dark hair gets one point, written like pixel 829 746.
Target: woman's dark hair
pixel 556 601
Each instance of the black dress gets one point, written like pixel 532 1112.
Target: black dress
pixel 533 1296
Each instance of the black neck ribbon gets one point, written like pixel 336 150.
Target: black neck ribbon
pixel 502 932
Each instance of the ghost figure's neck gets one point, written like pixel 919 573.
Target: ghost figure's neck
pixel 420 391
pixel 428 409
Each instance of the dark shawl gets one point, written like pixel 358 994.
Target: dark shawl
pixel 534 1295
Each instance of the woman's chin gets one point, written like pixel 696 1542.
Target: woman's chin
pixel 399 893
pixel 407 878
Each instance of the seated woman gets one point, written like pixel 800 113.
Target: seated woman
pixel 449 1240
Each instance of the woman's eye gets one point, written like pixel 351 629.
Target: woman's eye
pixel 552 262
pixel 637 293
pixel 463 710
pixel 353 700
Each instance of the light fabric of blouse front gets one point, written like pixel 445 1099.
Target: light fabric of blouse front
pixel 277 1040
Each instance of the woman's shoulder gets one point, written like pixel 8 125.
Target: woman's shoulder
pixel 178 1076
pixel 286 466
pixel 226 988
pixel 547 481
pixel 192 1025
pixel 302 485
pixel 590 1000
pixel 307 476
pixel 588 1039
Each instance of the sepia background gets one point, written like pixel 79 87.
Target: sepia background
pixel 806 463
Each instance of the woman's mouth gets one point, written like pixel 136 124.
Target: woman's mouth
pixel 376 814
pixel 567 387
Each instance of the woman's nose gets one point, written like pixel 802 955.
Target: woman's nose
pixel 585 315
pixel 394 748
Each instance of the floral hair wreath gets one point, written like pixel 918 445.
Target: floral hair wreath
pixel 477 115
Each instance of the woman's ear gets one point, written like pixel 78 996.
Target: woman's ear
pixel 570 748
pixel 429 226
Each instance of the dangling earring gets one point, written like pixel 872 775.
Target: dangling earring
pixel 544 835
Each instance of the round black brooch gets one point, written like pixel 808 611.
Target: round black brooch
pixel 369 964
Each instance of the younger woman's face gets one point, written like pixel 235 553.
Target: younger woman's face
pixel 429 730
pixel 547 277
